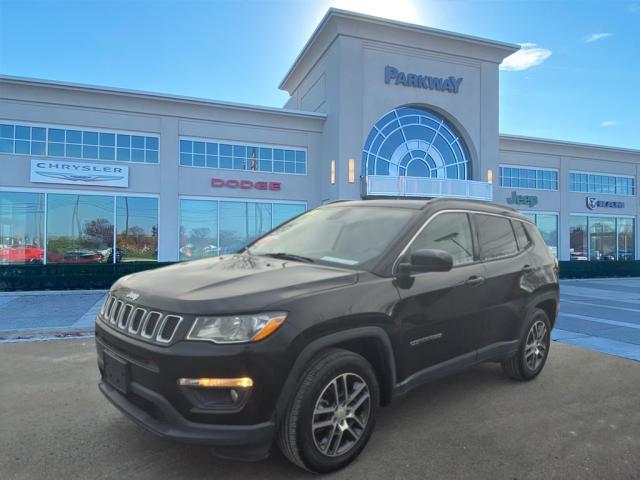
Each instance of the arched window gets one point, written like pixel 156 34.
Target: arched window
pixel 414 142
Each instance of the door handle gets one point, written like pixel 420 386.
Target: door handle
pixel 527 269
pixel 474 281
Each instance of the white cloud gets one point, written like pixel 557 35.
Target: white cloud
pixel 594 37
pixel 528 56
pixel 608 123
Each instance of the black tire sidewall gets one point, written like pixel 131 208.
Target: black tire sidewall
pixel 315 460
pixel 537 315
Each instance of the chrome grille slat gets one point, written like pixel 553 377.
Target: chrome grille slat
pixel 148 325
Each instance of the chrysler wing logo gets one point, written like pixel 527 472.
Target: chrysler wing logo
pixel 133 296
pixel 80 178
pixel 592 202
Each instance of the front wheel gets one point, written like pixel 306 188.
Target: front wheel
pixel 332 415
pixel 532 354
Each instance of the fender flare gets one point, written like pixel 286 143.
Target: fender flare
pixel 316 346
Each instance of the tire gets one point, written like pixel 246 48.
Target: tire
pixel 324 446
pixel 527 364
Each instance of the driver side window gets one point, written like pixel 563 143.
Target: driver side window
pixel 450 232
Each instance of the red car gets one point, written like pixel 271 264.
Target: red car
pixel 22 254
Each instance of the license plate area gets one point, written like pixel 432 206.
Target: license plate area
pixel 116 372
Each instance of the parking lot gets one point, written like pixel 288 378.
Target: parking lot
pixel 579 419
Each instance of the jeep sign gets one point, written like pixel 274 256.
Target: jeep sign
pixel 528 200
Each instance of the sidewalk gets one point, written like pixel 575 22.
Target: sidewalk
pixel 50 314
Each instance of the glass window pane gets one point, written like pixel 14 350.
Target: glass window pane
pixel 151 156
pixel 6 131
pixel 56 135
pixel 123 154
pixel 56 149
pixel 124 140
pixel 242 151
pixel 6 145
pixel 521 235
pixel 39 134
pixel 578 247
pixel 136 230
pixel 301 156
pixel 495 236
pixel 79 228
pixel 450 232
pixel 301 168
pixel 90 138
pixel 225 149
pixel 23 133
pixel 186 146
pixel 626 239
pixel 212 148
pixel 212 161
pixel 241 223
pixel 602 238
pixel 137 155
pixel 284 211
pixel 548 227
pixel 278 166
pixel 152 143
pixel 137 141
pixel 198 229
pixel 198 160
pixel 226 162
pixel 186 159
pixel 108 139
pixel 22 146
pixel 198 147
pixel 21 228
pixel 89 151
pixel 107 153
pixel 289 167
pixel 74 136
pixel 38 148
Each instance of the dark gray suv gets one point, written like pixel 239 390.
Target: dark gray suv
pixel 302 335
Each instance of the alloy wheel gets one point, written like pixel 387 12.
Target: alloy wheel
pixel 341 414
pixel 536 345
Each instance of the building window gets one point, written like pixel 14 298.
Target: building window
pixel 79 228
pixel 21 227
pixel 534 178
pixel 259 158
pixel 547 224
pixel 606 184
pixel 219 227
pixel 414 142
pixel 78 144
pixel 136 230
pixel 601 238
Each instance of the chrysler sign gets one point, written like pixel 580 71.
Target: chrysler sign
pixel 76 173
pixel 593 203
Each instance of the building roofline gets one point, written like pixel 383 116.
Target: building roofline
pixel 337 12
pixel 158 96
pixel 566 143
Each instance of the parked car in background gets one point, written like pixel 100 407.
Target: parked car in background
pixel 300 337
pixel 21 254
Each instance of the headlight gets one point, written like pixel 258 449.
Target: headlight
pixel 236 328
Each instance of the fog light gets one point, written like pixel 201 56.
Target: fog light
pixel 234 395
pixel 243 382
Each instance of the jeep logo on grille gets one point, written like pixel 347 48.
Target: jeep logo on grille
pixel 132 296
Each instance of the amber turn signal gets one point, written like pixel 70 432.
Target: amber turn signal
pixel 243 382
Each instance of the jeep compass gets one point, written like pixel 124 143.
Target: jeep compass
pixel 301 336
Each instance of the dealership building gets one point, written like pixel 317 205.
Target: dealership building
pixel 377 108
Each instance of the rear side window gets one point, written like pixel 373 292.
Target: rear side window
pixel 521 234
pixel 450 232
pixel 495 236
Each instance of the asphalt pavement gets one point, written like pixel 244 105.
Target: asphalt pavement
pixel 579 420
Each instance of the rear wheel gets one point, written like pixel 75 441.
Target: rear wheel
pixel 332 415
pixel 532 354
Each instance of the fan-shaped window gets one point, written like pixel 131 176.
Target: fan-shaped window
pixel 414 142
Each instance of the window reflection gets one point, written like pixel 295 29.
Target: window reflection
pixel 626 239
pixel 198 229
pixel 284 211
pixel 578 246
pixel 241 223
pixel 21 227
pixel 79 228
pixel 602 238
pixel 547 224
pixel 136 230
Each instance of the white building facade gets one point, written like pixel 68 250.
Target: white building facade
pixel 377 109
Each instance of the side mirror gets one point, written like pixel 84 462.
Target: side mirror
pixel 427 260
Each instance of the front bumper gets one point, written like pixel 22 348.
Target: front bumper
pixel 249 442
pixel 154 400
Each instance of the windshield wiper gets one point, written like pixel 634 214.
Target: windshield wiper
pixel 289 256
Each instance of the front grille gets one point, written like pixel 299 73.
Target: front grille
pixel 148 325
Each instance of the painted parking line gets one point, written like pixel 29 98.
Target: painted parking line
pixel 608 307
pixel 601 320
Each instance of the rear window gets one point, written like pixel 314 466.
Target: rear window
pixel 521 234
pixel 495 236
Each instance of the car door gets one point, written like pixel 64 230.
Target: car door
pixel 438 311
pixel 507 268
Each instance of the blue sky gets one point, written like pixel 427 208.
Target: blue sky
pixel 578 79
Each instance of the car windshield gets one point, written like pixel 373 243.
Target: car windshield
pixel 344 235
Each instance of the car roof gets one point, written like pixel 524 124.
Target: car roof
pixel 437 203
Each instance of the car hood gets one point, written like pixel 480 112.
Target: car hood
pixel 230 284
